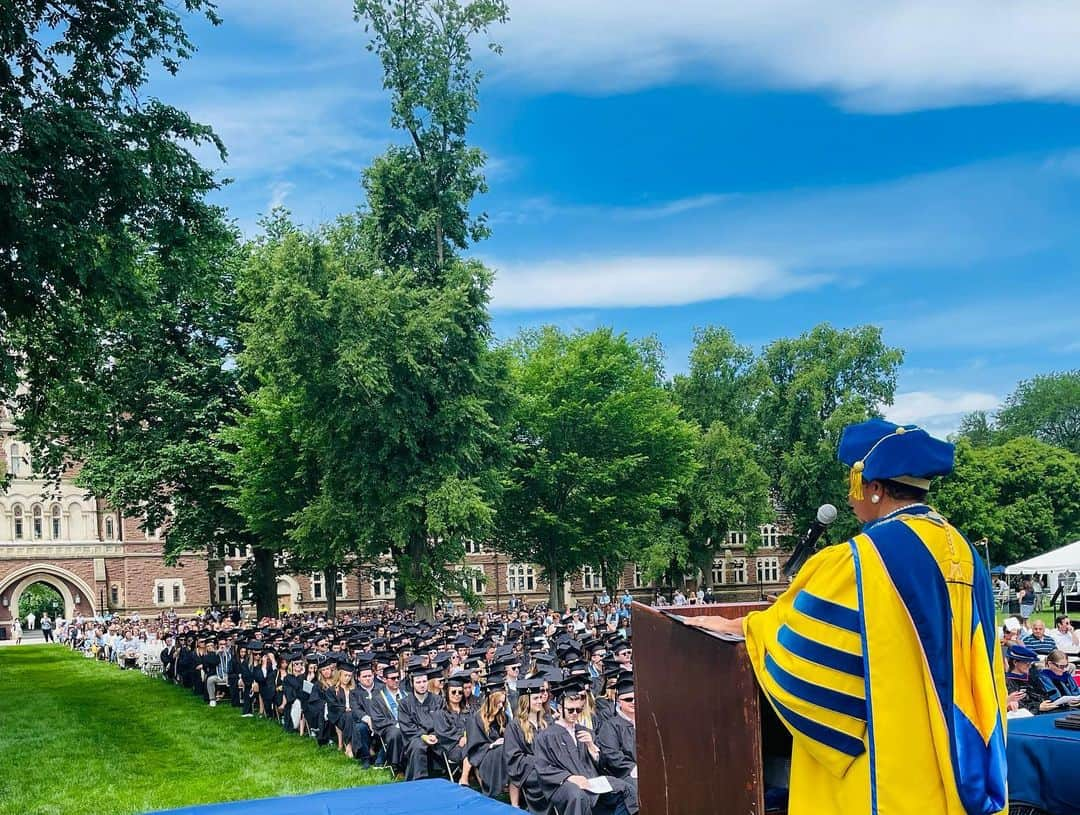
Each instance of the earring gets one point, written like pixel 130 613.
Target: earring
pixel 874 499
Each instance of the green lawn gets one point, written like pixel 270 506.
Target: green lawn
pixel 78 736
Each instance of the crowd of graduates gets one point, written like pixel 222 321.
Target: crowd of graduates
pixel 530 705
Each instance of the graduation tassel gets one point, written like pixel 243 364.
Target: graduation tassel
pixel 855 481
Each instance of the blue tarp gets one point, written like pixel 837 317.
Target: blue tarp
pixel 434 796
pixel 1043 762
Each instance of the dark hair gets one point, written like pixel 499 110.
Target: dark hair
pixel 1061 619
pixel 902 492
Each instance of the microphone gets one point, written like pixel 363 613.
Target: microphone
pixel 826 514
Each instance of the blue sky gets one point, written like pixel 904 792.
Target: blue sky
pixel 766 166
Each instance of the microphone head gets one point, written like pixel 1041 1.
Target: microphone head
pixel 826 514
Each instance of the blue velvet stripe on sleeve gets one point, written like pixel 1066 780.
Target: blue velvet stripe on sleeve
pixel 828 612
pixel 819 653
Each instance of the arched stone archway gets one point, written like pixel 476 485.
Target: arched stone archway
pixel 287 591
pixel 76 592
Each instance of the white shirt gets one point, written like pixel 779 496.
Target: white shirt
pixel 1065 641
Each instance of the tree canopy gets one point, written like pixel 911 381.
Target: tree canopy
pixel 599 453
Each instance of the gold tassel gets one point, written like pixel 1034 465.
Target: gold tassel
pixel 855 481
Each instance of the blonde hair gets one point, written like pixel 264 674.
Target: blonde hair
pixel 523 716
pixel 490 713
pixel 339 680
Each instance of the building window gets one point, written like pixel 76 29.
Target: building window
pixel 110 529
pixel 639 577
pixel 114 596
pixel 228 587
pixel 177 591
pixel 17 517
pixel 160 594
pixel 520 577
pixel 339 585
pixel 39 527
pixel 56 522
pixel 590 578
pixel 718 572
pixel 770 536
pixel 233 551
pixel 164 589
pixel 474 579
pixel 736 538
pixel 15 461
pixel 317 585
pixel 738 571
pixel 768 569
pixel 474 548
pixel 383 586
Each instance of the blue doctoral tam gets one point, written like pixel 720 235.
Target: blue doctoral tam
pixel 878 449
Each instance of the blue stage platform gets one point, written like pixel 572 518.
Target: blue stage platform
pixel 434 796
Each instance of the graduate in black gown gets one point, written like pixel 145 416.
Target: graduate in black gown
pixel 248 696
pixel 384 717
pixel 361 702
pixel 617 737
pixel 567 756
pixel 315 709
pixel 530 718
pixel 451 723
pixel 266 680
pixel 418 719
pixel 295 694
pixel 339 710
pixel 486 729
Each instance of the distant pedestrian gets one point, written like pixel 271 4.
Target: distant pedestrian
pixel 16 631
pixel 47 626
pixel 31 618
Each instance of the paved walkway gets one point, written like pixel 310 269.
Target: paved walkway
pixel 34 637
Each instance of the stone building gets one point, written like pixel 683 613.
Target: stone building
pixel 100 561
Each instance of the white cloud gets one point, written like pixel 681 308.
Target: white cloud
pixel 543 208
pixel 634 281
pixel 938 412
pixel 882 56
pixel 279 191
pixel 272 131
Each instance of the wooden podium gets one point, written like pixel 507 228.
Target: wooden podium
pixel 703 729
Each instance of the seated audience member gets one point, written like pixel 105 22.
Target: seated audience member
pixel 417 718
pixel 529 719
pixel 1058 680
pixel 363 696
pixel 1038 640
pixel 567 758
pixel 296 689
pixel 1065 637
pixel 616 736
pixel 128 650
pixel 485 731
pixel 1024 686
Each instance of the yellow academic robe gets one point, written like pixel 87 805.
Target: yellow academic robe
pixel 881 659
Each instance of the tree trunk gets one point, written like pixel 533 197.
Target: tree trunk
pixel 330 574
pixel 555 589
pixel 421 606
pixel 264 583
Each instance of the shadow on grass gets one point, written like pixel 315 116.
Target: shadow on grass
pixel 80 736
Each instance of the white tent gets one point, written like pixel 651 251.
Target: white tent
pixel 1065 559
pixel 1059 567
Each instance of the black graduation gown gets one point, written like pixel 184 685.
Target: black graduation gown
pixel 185 666
pixel 168 660
pixel 247 679
pixel 605 709
pixel 267 681
pixel 295 697
pixel 417 718
pixel 618 751
pixel 521 767
pixel 558 756
pixel 388 728
pixel 450 727
pixel 315 712
pixel 488 758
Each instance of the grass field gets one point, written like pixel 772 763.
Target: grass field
pixel 82 737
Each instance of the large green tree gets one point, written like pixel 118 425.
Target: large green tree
pixel 812 386
pixel 599 454
pixel 1046 408
pixel 730 489
pixel 1023 496
pixel 92 174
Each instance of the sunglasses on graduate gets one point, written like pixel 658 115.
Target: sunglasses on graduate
pixel 456 691
pixel 1061 665
pixel 574 710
